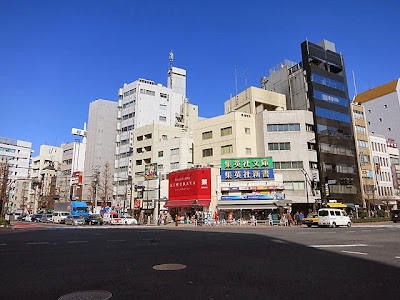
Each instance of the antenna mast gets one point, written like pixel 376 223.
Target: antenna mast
pixel 236 87
pixel 355 86
pixel 171 59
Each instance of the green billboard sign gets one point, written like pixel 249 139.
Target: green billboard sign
pixel 246 163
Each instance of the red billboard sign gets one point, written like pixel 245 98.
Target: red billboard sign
pixel 190 184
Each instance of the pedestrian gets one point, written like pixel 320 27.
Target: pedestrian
pixel 301 216
pixel 177 219
pixel 289 218
pixel 297 218
pixel 270 220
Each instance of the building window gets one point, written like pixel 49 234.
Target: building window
pixel 288 165
pixel 361 129
pixel 163 106
pixel 278 146
pixel 207 152
pixel 313 165
pixel 164 137
pixel 297 185
pixel 362 144
pixel 162 95
pixel 328 82
pixel 247 130
pixel 160 153
pixel 358 114
pixel 162 118
pixel 283 127
pixel 309 128
pixel 248 151
pixel 206 135
pixel 147 92
pixel 330 98
pixel 175 151
pixel 226 131
pixel 174 165
pixel 139 162
pixel 226 149
pixel 330 114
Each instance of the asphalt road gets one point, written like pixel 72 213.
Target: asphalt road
pixel 221 263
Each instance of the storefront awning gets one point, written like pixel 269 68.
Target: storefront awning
pixel 336 205
pixel 187 203
pixel 236 207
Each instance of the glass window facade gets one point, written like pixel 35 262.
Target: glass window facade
pixel 330 98
pixel 328 82
pixel 330 114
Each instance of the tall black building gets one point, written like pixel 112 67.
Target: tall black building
pixel 319 84
pixel 328 99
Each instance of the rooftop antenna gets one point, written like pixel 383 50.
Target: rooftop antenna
pixel 236 87
pixel 171 59
pixel 355 86
pixel 245 78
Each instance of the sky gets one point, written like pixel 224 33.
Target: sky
pixel 58 56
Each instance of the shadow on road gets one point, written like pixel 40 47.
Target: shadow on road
pixel 220 265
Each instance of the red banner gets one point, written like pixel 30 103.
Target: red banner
pixel 190 184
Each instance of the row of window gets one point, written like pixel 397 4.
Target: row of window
pixel 278 146
pixel 328 82
pixel 385 176
pixel 336 149
pixel 358 114
pixel 283 127
pixel 331 98
pixel 147 92
pixel 339 168
pixel 297 185
pixel 68 152
pixel 127 128
pixel 128 116
pixel 383 161
pixel 333 131
pixel 128 104
pixel 283 165
pixel 7 149
pixel 224 132
pixel 385 191
pixel 362 144
pixel 361 129
pixel 330 114
pixel 130 92
pixel 378 147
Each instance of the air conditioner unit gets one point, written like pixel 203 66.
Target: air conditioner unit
pixel 210 165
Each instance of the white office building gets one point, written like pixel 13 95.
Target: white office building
pixel 142 103
pixel 17 155
pixel 100 143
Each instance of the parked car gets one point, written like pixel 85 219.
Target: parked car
pixel 59 216
pixel 21 217
pixel 312 219
pixel 333 217
pixel 14 216
pixel 28 218
pixel 47 218
pixel 36 217
pixel 74 220
pixel 128 220
pixel 94 220
pixel 395 215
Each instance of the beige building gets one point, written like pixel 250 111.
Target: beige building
pixel 363 154
pixel 171 147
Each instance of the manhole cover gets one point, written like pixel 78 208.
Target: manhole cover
pixel 169 267
pixel 87 295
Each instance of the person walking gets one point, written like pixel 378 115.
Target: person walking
pixel 297 218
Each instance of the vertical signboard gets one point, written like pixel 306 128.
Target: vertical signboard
pixel 150 171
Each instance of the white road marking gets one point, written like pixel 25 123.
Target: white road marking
pixel 352 252
pixel 116 240
pixel 74 242
pixel 397 257
pixel 37 243
pixel 365 230
pixel 3 244
pixel 351 231
pixel 279 241
pixel 338 246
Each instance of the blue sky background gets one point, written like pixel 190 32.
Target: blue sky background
pixel 58 56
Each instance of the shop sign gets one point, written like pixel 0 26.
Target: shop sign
pixel 247 163
pixel 249 197
pixel 136 203
pixel 254 174
pixel 190 184
pixel 150 171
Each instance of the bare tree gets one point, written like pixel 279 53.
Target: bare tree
pixel 105 185
pixel 4 182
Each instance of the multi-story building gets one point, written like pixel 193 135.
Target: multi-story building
pixel 15 157
pixel 395 167
pixel 363 154
pixel 141 103
pixel 319 84
pixel 100 146
pixel 382 107
pixel 171 147
pixel 383 171
pixel 73 160
pixel 48 156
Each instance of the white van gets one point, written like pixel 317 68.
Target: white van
pixel 333 217
pixel 112 218
pixel 59 216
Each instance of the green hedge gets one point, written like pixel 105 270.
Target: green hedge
pixel 2 221
pixel 370 220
